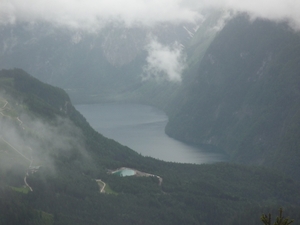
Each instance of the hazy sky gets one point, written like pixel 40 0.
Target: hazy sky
pixel 94 14
pixel 163 61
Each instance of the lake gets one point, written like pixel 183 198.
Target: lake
pixel 141 128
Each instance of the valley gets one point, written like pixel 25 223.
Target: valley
pixel 158 103
pixel 65 190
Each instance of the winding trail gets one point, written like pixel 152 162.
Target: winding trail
pixel 160 180
pixel 16 150
pixel 102 186
pixel 3 107
pixel 139 173
pixel 30 160
pixel 25 181
pixel 19 152
pixel 21 123
pixel 142 174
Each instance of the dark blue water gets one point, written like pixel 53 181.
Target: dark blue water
pixel 141 128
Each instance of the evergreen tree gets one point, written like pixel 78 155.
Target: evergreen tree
pixel 280 220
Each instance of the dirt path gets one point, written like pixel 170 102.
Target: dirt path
pixel 30 160
pixel 143 174
pixel 160 180
pixel 16 150
pixel 25 181
pixel 21 123
pixel 102 190
pixel 20 153
pixel 3 107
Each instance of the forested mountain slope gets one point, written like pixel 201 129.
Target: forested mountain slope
pixel 245 97
pixel 50 158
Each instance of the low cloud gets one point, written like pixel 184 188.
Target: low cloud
pixel 95 14
pixel 164 62
pixel 36 140
pixel 227 15
pixel 276 10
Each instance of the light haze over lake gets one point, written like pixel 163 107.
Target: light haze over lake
pixel 141 128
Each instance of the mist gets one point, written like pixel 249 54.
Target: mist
pixel 36 140
pixel 93 15
pixel 277 10
pixel 164 62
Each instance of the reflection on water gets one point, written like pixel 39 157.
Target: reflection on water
pixel 141 128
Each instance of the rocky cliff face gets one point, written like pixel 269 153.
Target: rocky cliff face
pixel 244 98
pixel 121 46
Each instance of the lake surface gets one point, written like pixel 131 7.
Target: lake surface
pixel 141 128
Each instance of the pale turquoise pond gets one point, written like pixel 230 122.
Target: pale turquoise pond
pixel 124 172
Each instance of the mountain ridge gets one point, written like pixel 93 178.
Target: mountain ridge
pixel 245 93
